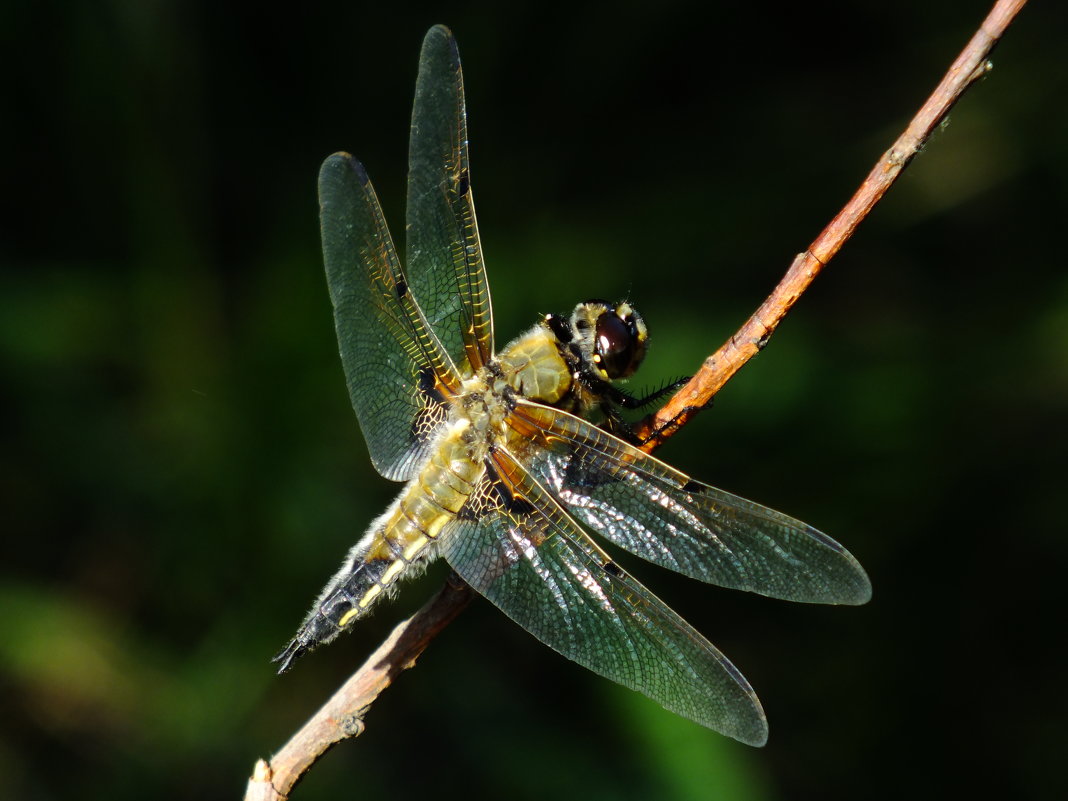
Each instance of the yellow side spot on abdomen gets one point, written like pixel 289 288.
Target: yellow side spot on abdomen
pixel 368 596
pixel 414 547
pixel 347 617
pixel 392 571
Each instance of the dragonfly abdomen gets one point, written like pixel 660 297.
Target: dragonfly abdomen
pixel 402 536
pixel 396 544
pixel 408 530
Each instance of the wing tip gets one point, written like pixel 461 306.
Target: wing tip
pixel 863 590
pixel 752 731
pixel 344 161
pixel 856 592
pixel 440 35
pixel 760 740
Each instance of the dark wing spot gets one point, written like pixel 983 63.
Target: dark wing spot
pixel 692 486
pixel 612 569
pixel 401 288
pixel 502 495
pixel 465 183
pixel 428 385
pixel 434 410
pixel 515 505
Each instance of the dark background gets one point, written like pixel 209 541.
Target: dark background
pixel 180 470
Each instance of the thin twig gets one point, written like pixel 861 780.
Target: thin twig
pixel 343 715
pixel 970 66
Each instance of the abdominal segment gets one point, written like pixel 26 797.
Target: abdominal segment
pixel 397 544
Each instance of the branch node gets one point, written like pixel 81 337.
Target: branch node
pixel 984 68
pixel 351 725
pixel 899 157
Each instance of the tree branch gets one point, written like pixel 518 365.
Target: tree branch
pixel 750 339
pixel 343 715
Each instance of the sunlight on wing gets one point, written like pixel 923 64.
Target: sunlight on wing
pixel 517 547
pixel 444 257
pixel 394 367
pixel 662 515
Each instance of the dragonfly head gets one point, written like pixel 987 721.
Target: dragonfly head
pixel 611 339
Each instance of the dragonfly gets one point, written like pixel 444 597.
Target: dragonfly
pixel 511 457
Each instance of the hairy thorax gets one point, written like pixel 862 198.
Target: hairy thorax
pixel 532 365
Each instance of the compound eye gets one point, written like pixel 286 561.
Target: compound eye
pixel 615 347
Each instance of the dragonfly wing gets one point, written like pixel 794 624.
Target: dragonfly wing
pixel 397 373
pixel 660 514
pixel 515 545
pixel 444 257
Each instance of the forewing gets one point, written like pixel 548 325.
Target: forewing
pixel 516 546
pixel 396 371
pixel 444 257
pixel 652 510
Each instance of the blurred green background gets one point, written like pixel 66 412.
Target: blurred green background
pixel 181 471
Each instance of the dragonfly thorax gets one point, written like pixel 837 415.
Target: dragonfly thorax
pixel 479 416
pixel 534 366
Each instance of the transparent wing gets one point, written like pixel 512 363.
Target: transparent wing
pixel 397 373
pixel 444 257
pixel 516 546
pixel 655 512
